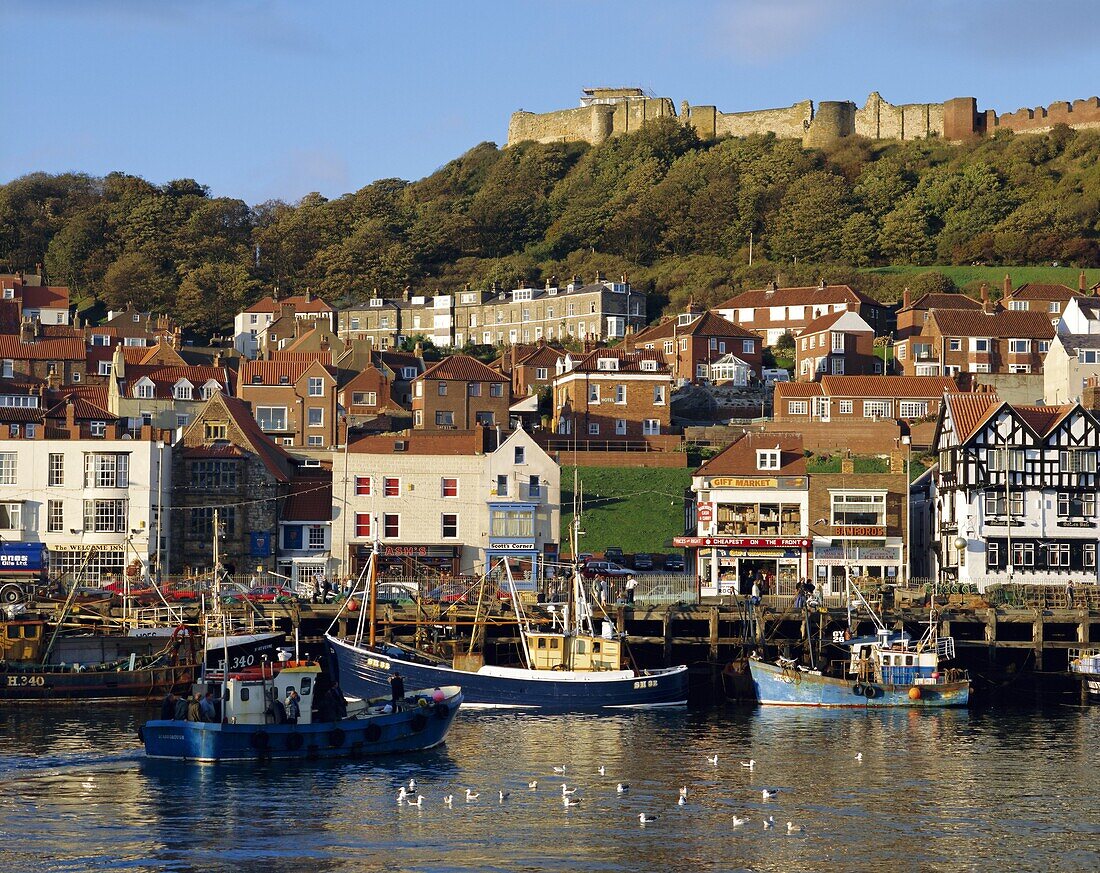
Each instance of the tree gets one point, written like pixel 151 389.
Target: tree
pixel 811 218
pixel 136 278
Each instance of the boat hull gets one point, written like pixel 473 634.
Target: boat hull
pixel 51 685
pixel 366 673
pixel 411 729
pixel 1091 682
pixel 779 686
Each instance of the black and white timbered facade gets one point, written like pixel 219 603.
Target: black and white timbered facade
pixel 1015 492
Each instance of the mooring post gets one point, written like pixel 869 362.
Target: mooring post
pixel 1037 638
pixel 666 631
pixel 714 634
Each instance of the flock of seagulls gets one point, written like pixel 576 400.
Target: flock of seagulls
pixel 406 795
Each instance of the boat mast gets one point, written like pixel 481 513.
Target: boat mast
pixel 371 581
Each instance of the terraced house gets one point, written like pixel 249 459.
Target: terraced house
pixel 460 393
pixel 613 394
pixel 293 401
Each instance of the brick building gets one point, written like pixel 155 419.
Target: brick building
pixel 962 341
pixel 694 340
pixel 249 325
pixel 532 370
pixel 773 311
pixel 293 401
pixel 613 394
pixel 838 401
pixel 460 393
pixel 48 304
pixel 1049 298
pixel 30 357
pixel 840 343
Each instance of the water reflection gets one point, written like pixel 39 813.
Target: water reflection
pixel 934 790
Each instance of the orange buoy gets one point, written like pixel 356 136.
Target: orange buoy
pixel 914 693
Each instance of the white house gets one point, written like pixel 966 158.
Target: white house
pixel 1074 355
pixel 252 322
pixel 95 503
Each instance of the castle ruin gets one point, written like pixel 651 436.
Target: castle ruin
pixel 608 112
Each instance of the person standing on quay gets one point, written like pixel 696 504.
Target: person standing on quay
pixel 631 584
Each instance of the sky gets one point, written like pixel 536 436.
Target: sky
pixel 274 99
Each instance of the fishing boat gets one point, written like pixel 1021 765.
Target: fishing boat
pixel 1084 664
pixel 252 728
pixel 567 667
pixel 25 675
pixel 886 669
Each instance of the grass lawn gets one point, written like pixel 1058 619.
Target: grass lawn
pixel 961 275
pixel 639 509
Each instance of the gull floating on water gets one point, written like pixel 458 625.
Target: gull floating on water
pixel 738 821
pixel 418 802
pixel 412 785
pixel 570 801
pixel 683 791
pixel 859 756
pixel 402 793
pixel 566 791
pixel 534 783
pixel 449 799
pixel 769 822
pixel 682 800
pixel 749 764
pixel 560 769
pixel 792 828
pixel 712 759
pixel 770 793
pixel 622 788
pixel 602 771
pixel 646 819
pixel 504 796
pixel 471 795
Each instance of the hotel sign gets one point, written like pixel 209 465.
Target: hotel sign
pixel 741 542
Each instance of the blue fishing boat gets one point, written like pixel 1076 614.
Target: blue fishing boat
pixel 253 728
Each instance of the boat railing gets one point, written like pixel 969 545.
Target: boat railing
pixel 945 648
pixel 158 616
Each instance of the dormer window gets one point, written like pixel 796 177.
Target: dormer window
pixel 257 379
pixel 649 365
pixel 145 389
pixel 284 380
pixel 684 319
pixel 182 391
pixel 607 364
pixel 376 301
pixel 767 459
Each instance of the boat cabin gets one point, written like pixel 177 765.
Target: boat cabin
pixel 251 695
pixel 22 639
pixel 579 652
pixel 893 659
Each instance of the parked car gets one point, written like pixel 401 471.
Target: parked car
pixel 396 592
pixel 674 564
pixel 583 558
pixel 238 593
pixel 643 561
pixel 614 553
pixel 595 569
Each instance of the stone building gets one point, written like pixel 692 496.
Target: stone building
pixel 460 393
pixel 612 394
pixel 31 357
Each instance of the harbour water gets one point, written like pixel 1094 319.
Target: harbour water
pixel 994 789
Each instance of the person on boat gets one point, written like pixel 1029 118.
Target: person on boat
pixel 194 708
pixel 599 590
pixel 631 584
pixel 338 703
pixel 1069 595
pixel 397 688
pixel 168 706
pixel 207 708
pixel 293 708
pixel 181 708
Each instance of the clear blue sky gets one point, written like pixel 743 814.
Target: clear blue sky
pixel 268 99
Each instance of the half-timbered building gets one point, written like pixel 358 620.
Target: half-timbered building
pixel 1015 492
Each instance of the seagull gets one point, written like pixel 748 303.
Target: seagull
pixel 418 802
pixel 749 764
pixel 646 819
pixel 792 828
pixel 769 822
pixel 449 799
pixel 622 788
pixel 570 801
pixel 504 796
pixel 712 759
pixel 859 756
pixel 402 793
pixel 412 786
pixel 682 800
pixel 683 791
pixel 770 793
pixel 560 769
pixel 738 821
pixel 602 771
pixel 471 796
pixel 566 791
pixel 533 784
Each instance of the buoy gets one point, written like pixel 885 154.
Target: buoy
pixel 914 693
pixel 438 696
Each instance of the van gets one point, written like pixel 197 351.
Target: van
pixel 775 374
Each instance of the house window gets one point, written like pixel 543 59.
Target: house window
pixel 658 395
pixel 214 430
pixel 845 407
pixel 418 418
pixel 145 391
pixel 1044 346
pixel 11 516
pixel 391 526
pixel 593 393
pixel 474 389
pixel 533 487
pixel 502 485
pixel 9 369
pixel 542 373
pixel 362 486
pixel 1017 305
pixel 316 538
pixel 450 525
pixel 271 418
pixel 912 408
pixel 1023 554
pixel 362 524
pixel 448 486
pixel 620 394
pixel 106 470
pixel 182 392
pixel 1077 461
pixel 442 389
pixel 57 469
pixel 748 346
pixel 104 368
pixel 55 516
pixel 98 428
pixel 1019 346
pixel 8 462
pixel 1055 307
pixel 316 416
pixel 106 516
pixel 767 459
pixel 669 347
pixel 877 408
pixel 980 344
pixel 954 345
pixel 993 555
pixel 391 486
pixel 214 474
pixel 520 455
pixel 488 419
pixel 1058 555
pixel 797 407
pixel 620 427
pixel 859 510
pixel 1088 554
pixel 315 441
pixel 444 418
pixel 1077 504
pixel 593 428
pixel 496 389
pixel 316 386
pixel 651 427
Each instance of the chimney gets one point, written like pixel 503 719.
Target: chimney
pixel 576 281
pixel 70 413
pixel 821 284
pixel 27 331
pixel 985 296
pixel 773 286
pixel 623 278
pixel 309 294
pixel 906 298
pixel 418 350
pixel 988 306
pixel 406 293
pixel 1082 282
pixel 466 286
pixel 1006 290
pixel 599 275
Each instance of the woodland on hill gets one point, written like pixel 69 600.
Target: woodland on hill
pixel 673 213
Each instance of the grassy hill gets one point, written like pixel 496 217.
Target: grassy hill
pixel 966 275
pixel 639 509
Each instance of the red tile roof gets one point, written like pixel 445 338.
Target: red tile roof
pixel 629 361
pixel 65 349
pixel 1001 324
pixel 739 458
pixel 83 410
pixel 462 368
pixel 271 372
pixel 800 296
pixel 308 500
pixel 544 356
pixel 707 324
pixel 298 302
pixel 95 394
pixel 1043 291
pixel 887 386
pixel 324 357
pixel 54 331
pixel 969 410
pixel 451 442
pixel 939 300
pixel 45 297
pixel 797 389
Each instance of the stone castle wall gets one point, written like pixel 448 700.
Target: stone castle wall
pixel 957 120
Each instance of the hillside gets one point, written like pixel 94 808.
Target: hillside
pixel 674 213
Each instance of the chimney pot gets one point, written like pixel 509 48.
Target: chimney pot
pixel 906 298
pixel 1082 282
pixel 1007 287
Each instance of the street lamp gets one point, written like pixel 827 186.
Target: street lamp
pixel 960 546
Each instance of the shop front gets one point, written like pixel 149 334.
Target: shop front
pixel 523 559
pixel 838 559
pixel 409 560
pixel 731 565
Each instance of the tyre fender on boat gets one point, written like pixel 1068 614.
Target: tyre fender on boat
pixel 294 741
pixel 141 733
pixel 857 690
pixel 336 737
pixel 373 733
pixel 259 741
pixel 872 692
pixel 418 723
